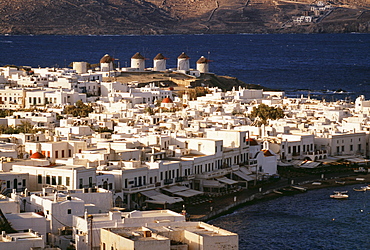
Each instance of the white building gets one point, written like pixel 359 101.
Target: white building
pixel 159 62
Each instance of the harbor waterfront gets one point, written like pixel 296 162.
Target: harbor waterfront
pixel 309 220
pixel 218 206
pixel 96 152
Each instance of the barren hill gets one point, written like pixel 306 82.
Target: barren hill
pixel 180 16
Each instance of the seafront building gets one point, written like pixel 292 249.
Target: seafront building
pixel 92 181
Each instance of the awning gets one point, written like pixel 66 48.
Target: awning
pixel 159 198
pixel 182 191
pixel 358 160
pixel 174 189
pixel 244 176
pixel 226 180
pixel 310 164
pixel 212 183
pixel 188 193
pixel 245 170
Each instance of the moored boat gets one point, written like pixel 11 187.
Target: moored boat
pixel 339 195
pixel 302 189
pixel 360 189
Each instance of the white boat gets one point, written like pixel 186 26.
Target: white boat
pixel 339 195
pixel 302 189
pixel 361 189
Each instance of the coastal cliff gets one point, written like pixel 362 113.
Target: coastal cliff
pixel 99 17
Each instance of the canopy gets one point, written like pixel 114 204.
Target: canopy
pixel 159 198
pixel 226 180
pixel 245 170
pixel 244 176
pixel 212 183
pixel 182 191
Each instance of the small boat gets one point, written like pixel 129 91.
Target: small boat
pixel 340 182
pixel 302 189
pixel 361 189
pixel 277 191
pixel 339 195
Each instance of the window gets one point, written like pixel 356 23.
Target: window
pixel 48 179
pixel 69 153
pixel 69 211
pixel 67 181
pixel 59 180
pixel 80 183
pixel 24 182
pixel 7 184
pixel 90 181
pixel 39 179
pixel 62 153
pixel 53 180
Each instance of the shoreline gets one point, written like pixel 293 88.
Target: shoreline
pixel 227 204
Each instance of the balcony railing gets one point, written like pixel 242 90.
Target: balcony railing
pixel 167 181
pixel 138 189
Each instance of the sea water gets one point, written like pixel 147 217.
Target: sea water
pixel 331 66
pixel 310 220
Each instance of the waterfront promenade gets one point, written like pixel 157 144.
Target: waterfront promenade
pixel 225 204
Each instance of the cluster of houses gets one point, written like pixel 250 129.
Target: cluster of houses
pixel 70 186
pixel 316 13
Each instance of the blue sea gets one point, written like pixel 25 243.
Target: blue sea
pixel 310 220
pixel 330 66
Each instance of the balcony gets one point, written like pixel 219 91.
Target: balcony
pixel 138 189
pixel 167 181
pixel 180 179
pixel 214 174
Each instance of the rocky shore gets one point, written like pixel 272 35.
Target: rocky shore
pixel 217 206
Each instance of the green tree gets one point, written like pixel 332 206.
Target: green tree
pixel 265 112
pixel 6 112
pixel 25 127
pixel 80 109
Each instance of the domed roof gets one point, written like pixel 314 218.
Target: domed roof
pixel 37 155
pixel 167 100
pixel 106 59
pixel 183 56
pixel 137 56
pixel 159 57
pixel 203 60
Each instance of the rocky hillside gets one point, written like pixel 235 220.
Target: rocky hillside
pixel 81 17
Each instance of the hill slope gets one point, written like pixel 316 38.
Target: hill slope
pixel 176 16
